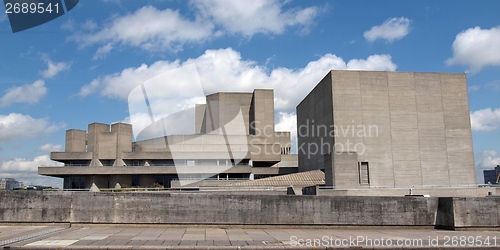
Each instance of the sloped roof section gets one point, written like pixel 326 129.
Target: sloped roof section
pixel 309 178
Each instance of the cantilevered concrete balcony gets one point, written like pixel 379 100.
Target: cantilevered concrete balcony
pixel 141 170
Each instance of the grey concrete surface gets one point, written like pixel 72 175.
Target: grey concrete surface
pixel 250 209
pixel 413 129
pixel 162 237
pixel 200 208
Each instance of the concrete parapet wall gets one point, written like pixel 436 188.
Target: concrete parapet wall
pixel 199 208
pixel 33 206
pixel 468 212
pixel 227 209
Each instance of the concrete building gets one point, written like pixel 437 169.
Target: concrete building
pixel 491 176
pixel 387 129
pixel 10 184
pixel 234 140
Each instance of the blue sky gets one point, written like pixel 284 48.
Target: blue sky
pixel 80 67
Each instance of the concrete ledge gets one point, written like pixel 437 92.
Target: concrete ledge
pixel 466 213
pixel 199 208
pixel 231 209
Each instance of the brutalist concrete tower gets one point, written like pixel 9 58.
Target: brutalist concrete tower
pixel 387 129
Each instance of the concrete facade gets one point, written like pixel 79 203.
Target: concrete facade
pixel 387 129
pixel 234 139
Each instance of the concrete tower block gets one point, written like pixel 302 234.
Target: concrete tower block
pixel 76 140
pixel 262 114
pixel 423 134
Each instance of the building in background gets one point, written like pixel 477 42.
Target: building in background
pixel 233 140
pixel 387 129
pixel 10 184
pixel 492 176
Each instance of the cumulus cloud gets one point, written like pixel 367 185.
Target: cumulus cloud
pixel 489 159
pixel 226 70
pixel 149 29
pixel 54 68
pixel 154 29
pixel 252 17
pixel 391 30
pixel 103 51
pixel 476 48
pixel 26 170
pixel 89 24
pixel 28 93
pixel 50 148
pixel 373 62
pixel 18 126
pixel 485 119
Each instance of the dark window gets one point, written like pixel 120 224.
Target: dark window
pixel 74 182
pixel 164 180
pixel 364 173
pixel 136 180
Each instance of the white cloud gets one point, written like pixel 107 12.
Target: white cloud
pixel 485 119
pixel 89 24
pixel 476 48
pixel 373 62
pixel 489 159
pixel 150 29
pixel 225 70
pixel 18 126
pixel 50 148
pixel 153 29
pixel 103 51
pixel 28 93
pixel 252 17
pixel 486 160
pixel 54 68
pixel 391 30
pixel 25 170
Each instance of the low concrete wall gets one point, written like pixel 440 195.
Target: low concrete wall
pixel 35 206
pixel 468 212
pixel 189 208
pixel 223 209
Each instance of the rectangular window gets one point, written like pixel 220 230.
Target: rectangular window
pixel 364 173
pixel 74 182
pixel 136 180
